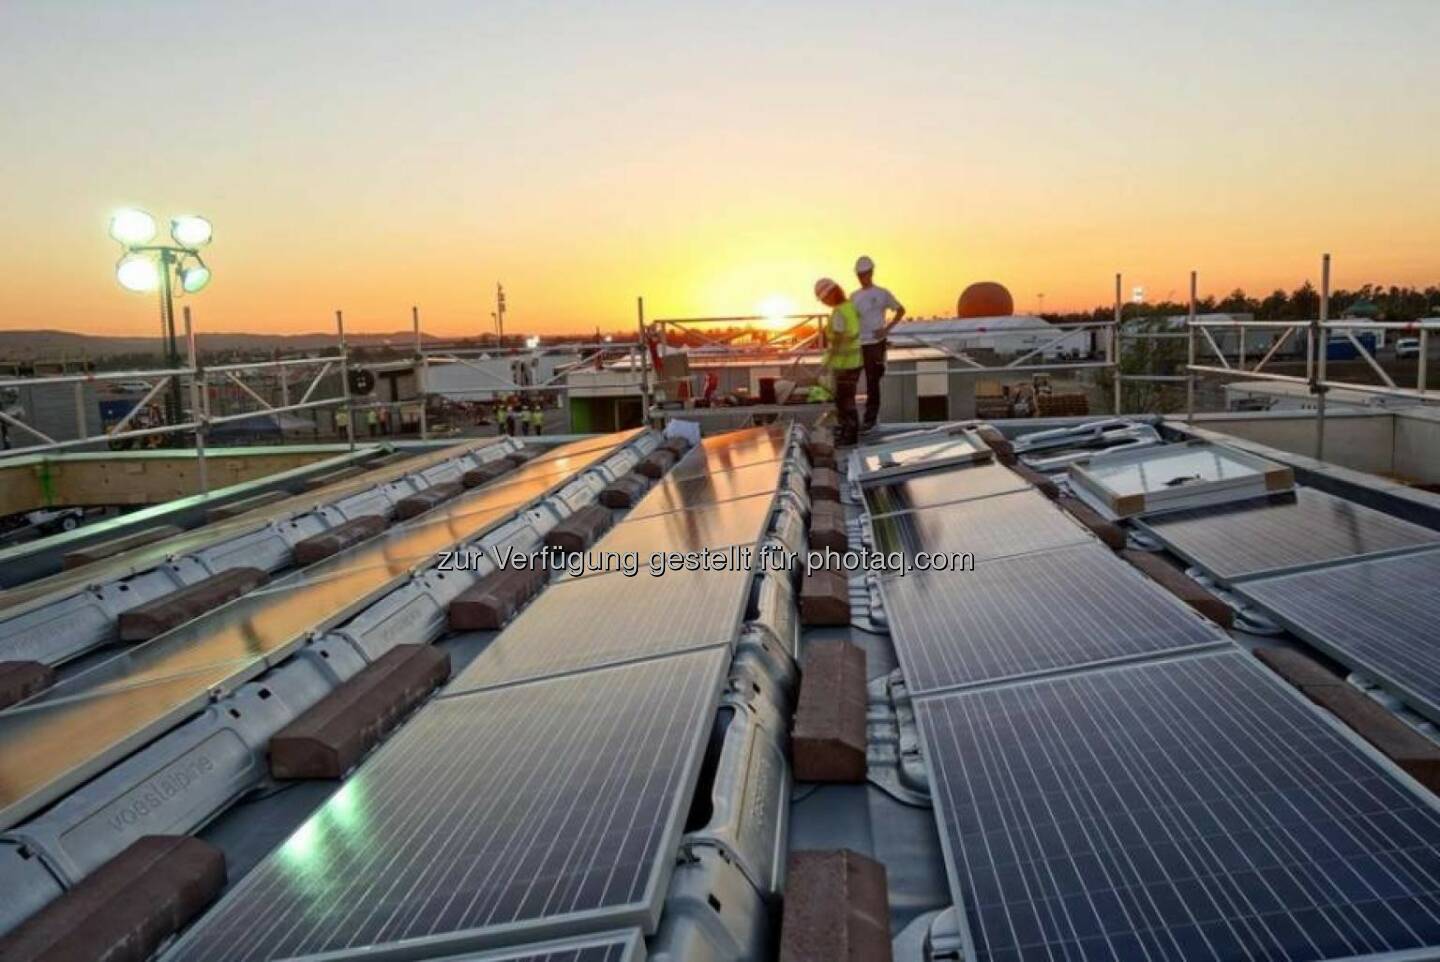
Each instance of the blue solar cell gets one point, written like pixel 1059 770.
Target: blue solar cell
pixel 1179 810
pixel 1375 616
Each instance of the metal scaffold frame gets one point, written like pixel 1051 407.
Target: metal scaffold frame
pixel 1318 332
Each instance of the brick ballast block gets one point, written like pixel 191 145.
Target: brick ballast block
pixel 236 508
pixel 1107 531
pixel 332 736
pixel 1181 585
pixel 493 600
pixel 828 741
pixel 159 615
pixel 579 531
pixel 837 909
pixel 1297 668
pixel 518 458
pixel 1004 450
pixel 825 598
pixel 1403 745
pixel 21 679
pixel 333 477
pixel 827 527
pixel 824 485
pixel 101 550
pixel 422 501
pixel 624 492
pixel 675 445
pixel 486 473
pixel 337 539
pixel 124 910
pixel 1042 483
pixel 656 463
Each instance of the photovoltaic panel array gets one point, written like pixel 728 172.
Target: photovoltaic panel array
pixel 1267 535
pixel 680 494
pixel 1034 614
pixel 492 818
pixel 1377 616
pixel 742 521
pixel 90 718
pixel 1007 524
pixel 943 487
pixel 602 620
pixel 726 452
pixel 1191 809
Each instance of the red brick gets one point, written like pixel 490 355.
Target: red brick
pixel 125 909
pixel 579 531
pixel 101 550
pixel 493 600
pixel 825 598
pixel 824 484
pixel 676 445
pixel 485 473
pixel 21 679
pixel 624 492
pixel 335 733
pixel 422 501
pixel 656 463
pixel 827 527
pixel 333 477
pixel 159 615
pixel 234 509
pixel 1004 450
pixel 338 538
pixel 1298 668
pixel 1042 482
pixel 828 741
pixel 1403 745
pixel 1107 531
pixel 1181 586
pixel 837 909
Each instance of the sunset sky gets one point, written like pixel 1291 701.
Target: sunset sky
pixel 709 156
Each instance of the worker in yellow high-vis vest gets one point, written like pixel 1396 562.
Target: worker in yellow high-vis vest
pixel 842 356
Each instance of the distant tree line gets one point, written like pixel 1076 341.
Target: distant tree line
pixel 1399 304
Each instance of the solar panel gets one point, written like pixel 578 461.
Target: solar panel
pixel 1033 614
pixel 94 717
pixel 942 487
pixel 585 623
pixel 713 455
pixel 612 947
pixel 741 521
pixel 1191 809
pixel 1376 616
pixel 1007 524
pixel 1266 535
pixel 489 819
pixel 679 494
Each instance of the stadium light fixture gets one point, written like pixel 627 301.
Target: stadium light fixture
pixel 146 266
pixel 131 227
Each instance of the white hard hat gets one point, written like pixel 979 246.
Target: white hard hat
pixel 864 265
pixel 824 286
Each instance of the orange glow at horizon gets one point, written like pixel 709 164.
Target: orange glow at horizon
pixel 713 161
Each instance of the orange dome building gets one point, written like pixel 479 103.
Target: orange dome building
pixel 985 299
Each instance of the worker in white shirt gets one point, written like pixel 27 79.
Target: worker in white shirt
pixel 873 301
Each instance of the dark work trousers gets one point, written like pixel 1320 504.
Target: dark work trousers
pixel 846 383
pixel 874 355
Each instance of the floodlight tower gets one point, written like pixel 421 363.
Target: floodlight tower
pixel 146 267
